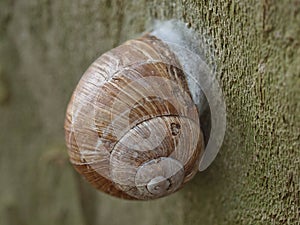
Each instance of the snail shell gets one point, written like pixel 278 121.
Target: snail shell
pixel 132 128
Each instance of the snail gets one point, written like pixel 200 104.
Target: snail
pixel 133 125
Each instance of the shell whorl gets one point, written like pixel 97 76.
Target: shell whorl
pixel 132 129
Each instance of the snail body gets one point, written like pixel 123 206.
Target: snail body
pixel 132 127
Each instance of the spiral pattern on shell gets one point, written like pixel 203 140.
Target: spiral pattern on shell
pixel 131 126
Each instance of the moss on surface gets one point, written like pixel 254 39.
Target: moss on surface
pixel 46 45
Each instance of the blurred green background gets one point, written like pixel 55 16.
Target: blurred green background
pixel 45 47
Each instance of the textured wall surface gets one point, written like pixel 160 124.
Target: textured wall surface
pixel 46 45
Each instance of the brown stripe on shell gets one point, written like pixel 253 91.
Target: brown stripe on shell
pixel 100 182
